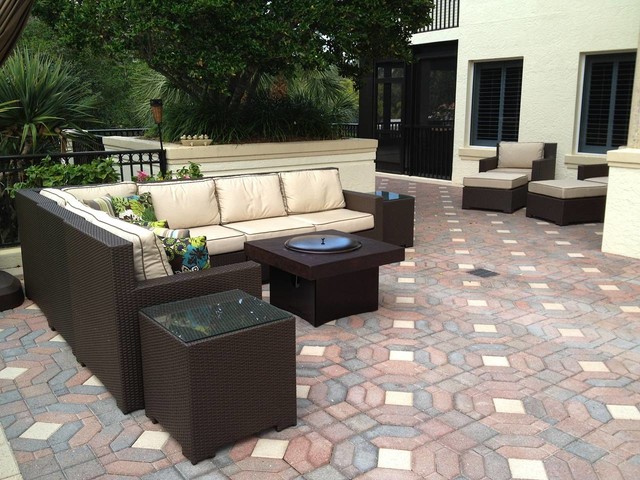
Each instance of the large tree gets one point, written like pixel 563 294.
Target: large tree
pixel 217 49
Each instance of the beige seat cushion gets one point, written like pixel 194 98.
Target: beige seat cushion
pixel 249 197
pixel 568 188
pixel 603 180
pixel 89 192
pixel 519 154
pixel 309 191
pixel 184 203
pixel 520 171
pixel 220 239
pixel 149 258
pixel 341 219
pixel 272 227
pixel 497 180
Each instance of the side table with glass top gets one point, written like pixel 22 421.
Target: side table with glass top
pixel 397 218
pixel 217 369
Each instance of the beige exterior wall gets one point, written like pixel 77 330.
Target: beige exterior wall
pixel 622 215
pixel 552 38
pixel 354 157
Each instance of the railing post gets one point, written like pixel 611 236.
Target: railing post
pixel 163 162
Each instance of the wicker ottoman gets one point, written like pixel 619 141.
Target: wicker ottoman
pixel 567 201
pixel 502 191
pixel 217 369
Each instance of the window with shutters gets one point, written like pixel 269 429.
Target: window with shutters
pixel 606 102
pixel 496 102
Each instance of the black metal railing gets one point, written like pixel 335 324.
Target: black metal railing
pixel 389 130
pixel 346 130
pixel 120 132
pixel 445 14
pixel 428 149
pixel 126 163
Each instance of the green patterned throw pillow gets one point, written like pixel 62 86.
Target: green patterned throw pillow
pixel 152 225
pixel 134 208
pixel 187 254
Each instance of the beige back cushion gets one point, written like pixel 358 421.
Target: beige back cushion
pixel 249 197
pixel 149 259
pixel 59 196
pixel 310 191
pixel 89 192
pixel 185 203
pixel 519 154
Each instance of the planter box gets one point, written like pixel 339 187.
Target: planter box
pixel 354 157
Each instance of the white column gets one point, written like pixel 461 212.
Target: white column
pixel 621 234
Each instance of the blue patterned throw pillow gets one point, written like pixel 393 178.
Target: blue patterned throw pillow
pixel 186 254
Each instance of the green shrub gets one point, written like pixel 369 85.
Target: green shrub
pixel 185 173
pixel 56 174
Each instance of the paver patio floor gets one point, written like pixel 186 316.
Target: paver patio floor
pixel 531 373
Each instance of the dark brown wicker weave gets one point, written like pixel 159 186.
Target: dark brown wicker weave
pixel 44 258
pixel 97 310
pixel 591 171
pixel 211 392
pixel 507 201
pixel 563 211
pixel 398 218
pixel 368 203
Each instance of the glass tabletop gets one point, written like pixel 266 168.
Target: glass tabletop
pixel 213 315
pixel 391 195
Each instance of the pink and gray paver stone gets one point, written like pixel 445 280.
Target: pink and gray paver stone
pixel 531 373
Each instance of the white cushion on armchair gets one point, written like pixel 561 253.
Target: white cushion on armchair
pixel 519 154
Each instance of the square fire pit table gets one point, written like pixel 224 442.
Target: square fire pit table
pixel 217 369
pixel 320 287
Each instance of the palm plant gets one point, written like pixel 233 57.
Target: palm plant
pixel 50 104
pixel 303 106
pixel 325 89
pixel 308 103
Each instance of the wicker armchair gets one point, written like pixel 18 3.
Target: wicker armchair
pixel 598 172
pixel 542 169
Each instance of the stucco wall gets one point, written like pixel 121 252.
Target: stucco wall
pixel 354 157
pixel 622 215
pixel 551 37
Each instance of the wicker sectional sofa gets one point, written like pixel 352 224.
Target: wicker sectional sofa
pixel 91 273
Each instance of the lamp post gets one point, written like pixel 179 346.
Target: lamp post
pixel 156 111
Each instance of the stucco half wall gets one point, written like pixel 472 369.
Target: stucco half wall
pixel 354 157
pixel 622 215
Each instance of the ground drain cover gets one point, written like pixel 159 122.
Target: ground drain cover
pixel 482 272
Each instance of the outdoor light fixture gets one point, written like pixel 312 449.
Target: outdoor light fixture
pixel 156 111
